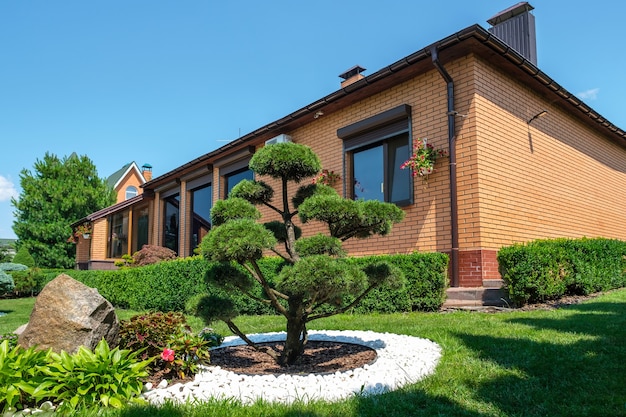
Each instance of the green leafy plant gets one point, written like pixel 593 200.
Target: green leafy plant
pixel 187 352
pixel 23 374
pixel 150 333
pixel 154 333
pixel 102 378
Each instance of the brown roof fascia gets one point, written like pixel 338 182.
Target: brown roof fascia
pixel 473 39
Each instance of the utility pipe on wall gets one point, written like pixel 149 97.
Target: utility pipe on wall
pixel 454 221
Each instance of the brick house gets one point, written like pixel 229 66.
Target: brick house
pixel 127 183
pixel 527 159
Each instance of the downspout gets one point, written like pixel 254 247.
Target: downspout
pixel 454 214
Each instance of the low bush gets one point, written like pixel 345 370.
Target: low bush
pixel 86 379
pixel 10 266
pixel 168 285
pixel 6 283
pixel 102 378
pixel 22 376
pixel 166 338
pixel 544 270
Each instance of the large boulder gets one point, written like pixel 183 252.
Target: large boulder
pixel 68 314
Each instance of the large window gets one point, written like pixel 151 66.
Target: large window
pixel 142 225
pixel 375 148
pixel 118 234
pixel 235 177
pixel 171 221
pixel 201 203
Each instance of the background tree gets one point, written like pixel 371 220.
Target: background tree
pixel 315 278
pixel 59 192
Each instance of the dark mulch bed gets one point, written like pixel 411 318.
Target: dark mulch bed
pixel 318 357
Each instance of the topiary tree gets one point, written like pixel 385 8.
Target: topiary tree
pixel 22 256
pixel 316 278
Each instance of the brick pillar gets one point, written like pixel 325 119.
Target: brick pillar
pixel 476 266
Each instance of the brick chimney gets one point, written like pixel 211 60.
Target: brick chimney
pixel 352 75
pixel 146 171
pixel 516 27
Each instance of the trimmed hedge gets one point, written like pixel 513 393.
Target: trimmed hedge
pixel 544 270
pixel 168 285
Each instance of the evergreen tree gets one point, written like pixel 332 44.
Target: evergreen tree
pixel 59 192
pixel 316 278
pixel 23 257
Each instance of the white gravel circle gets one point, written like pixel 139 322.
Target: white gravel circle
pixel 401 360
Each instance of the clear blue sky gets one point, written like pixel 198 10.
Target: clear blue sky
pixel 163 82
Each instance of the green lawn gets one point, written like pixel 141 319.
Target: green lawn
pixel 566 362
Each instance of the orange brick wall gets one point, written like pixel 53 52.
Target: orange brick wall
pixel 554 178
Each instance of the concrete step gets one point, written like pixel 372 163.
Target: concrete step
pixel 476 296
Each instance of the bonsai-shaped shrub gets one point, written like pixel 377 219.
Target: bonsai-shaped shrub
pixel 315 278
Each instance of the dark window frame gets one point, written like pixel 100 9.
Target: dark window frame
pixel 375 131
pixel 192 203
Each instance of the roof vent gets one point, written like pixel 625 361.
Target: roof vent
pixel 352 75
pixel 516 27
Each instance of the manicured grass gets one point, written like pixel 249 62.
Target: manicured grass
pixel 566 362
pixel 17 312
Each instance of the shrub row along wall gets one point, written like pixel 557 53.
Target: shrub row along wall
pixel 167 286
pixel 548 269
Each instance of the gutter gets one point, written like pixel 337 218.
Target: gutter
pixel 476 32
pixel 454 212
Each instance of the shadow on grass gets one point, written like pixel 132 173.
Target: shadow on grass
pixel 576 364
pixel 569 364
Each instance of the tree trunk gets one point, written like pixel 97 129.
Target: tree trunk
pixel 296 333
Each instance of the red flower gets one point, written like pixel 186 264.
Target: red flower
pixel 167 355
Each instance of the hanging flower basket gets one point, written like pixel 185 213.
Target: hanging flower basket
pixel 422 161
pixel 327 177
pixel 83 230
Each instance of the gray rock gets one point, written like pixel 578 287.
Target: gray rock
pixel 67 315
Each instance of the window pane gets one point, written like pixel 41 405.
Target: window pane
pixel 368 174
pixel 201 203
pixel 143 224
pixel 171 221
pixel 131 192
pixel 118 235
pixel 399 179
pixel 237 176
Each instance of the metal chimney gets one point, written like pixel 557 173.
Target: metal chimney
pixel 516 27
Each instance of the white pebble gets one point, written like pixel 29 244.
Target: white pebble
pixel 400 360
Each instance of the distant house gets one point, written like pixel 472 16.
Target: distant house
pixel 527 159
pixel 127 181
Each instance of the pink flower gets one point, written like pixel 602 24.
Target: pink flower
pixel 167 355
